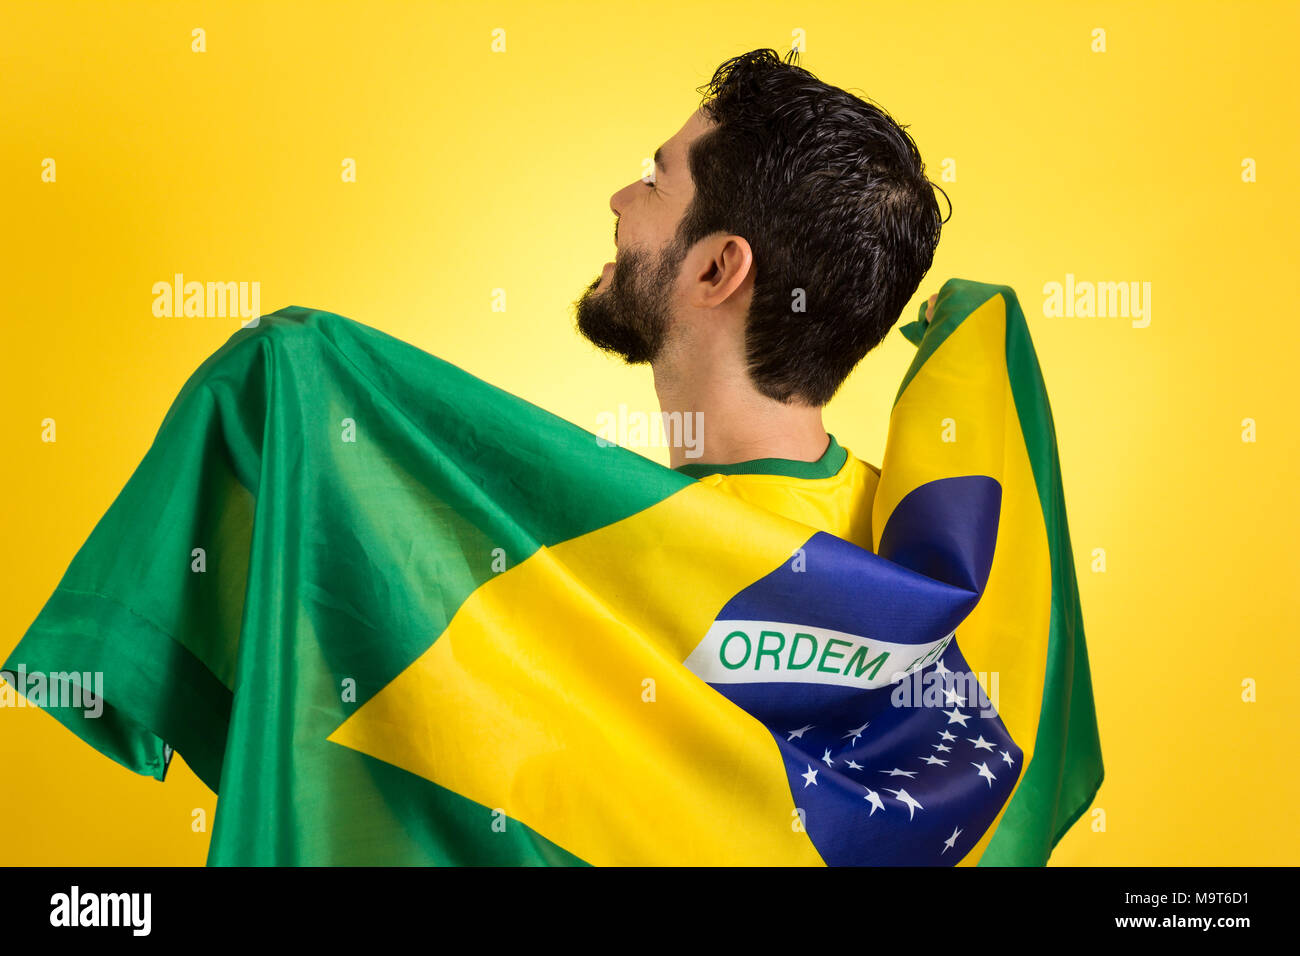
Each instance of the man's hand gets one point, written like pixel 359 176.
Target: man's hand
pixel 929 309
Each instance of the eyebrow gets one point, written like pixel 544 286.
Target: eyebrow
pixel 659 160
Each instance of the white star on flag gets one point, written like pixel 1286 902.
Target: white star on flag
pixel 874 799
pixel 810 777
pixel 955 716
pixel 949 843
pixel 798 733
pixel 857 731
pixel 905 797
pixel 985 772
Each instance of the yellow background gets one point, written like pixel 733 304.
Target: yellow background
pixel 480 171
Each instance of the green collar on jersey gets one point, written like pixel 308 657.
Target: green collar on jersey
pixel 827 466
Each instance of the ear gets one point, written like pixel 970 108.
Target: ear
pixel 724 271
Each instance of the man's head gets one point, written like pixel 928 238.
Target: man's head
pixel 788 222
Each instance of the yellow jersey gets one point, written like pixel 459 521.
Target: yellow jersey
pixel 832 494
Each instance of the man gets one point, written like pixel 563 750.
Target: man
pixel 785 227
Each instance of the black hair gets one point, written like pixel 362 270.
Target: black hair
pixel 831 194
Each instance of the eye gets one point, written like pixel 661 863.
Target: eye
pixel 649 181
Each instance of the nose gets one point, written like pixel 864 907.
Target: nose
pixel 622 197
pixel 616 203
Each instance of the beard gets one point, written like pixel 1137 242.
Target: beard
pixel 631 317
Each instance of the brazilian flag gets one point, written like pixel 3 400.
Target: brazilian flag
pixel 394 615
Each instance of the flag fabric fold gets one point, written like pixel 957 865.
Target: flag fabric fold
pixel 392 614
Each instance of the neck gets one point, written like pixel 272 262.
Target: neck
pixel 730 422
